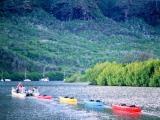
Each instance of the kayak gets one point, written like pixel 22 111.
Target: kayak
pixel 69 100
pixel 125 108
pixel 15 94
pixel 94 103
pixel 127 115
pixel 35 94
pixel 45 97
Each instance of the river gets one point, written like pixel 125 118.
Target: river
pixel 12 108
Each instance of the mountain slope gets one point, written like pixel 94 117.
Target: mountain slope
pixel 35 35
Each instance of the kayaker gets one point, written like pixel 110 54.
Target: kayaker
pixel 35 91
pixel 29 93
pixel 19 88
pixel 23 90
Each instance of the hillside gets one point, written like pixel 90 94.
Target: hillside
pixel 70 36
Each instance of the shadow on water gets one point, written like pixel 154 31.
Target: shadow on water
pixel 127 116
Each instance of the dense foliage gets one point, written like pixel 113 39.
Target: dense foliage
pixel 145 73
pixel 69 36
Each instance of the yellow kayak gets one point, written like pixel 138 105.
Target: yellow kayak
pixel 68 100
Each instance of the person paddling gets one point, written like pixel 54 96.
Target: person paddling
pixel 35 91
pixel 19 88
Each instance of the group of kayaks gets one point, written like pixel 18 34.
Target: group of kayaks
pixel 88 103
pixel 118 108
pixel 24 95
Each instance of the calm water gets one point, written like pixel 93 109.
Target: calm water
pixel 34 109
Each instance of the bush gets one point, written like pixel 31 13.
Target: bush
pixel 55 76
pixel 16 76
pixel 93 73
pixel 155 80
pixel 111 75
pixel 74 78
pixel 34 76
pixel 136 74
pixel 145 73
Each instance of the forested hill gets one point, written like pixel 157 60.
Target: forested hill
pixel 72 35
pixel 65 10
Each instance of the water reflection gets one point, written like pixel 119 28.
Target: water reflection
pixel 91 108
pixel 126 116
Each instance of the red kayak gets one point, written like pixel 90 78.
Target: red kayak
pixel 125 108
pixel 44 97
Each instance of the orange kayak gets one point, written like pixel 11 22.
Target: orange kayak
pixel 44 97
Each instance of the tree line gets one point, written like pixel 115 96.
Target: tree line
pixel 34 76
pixel 142 74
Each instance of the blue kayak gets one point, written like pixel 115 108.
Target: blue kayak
pixel 94 103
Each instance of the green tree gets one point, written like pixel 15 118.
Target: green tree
pixel 155 80
pixel 92 74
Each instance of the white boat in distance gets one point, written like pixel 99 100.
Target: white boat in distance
pixel 27 80
pixel 44 79
pixel 7 80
